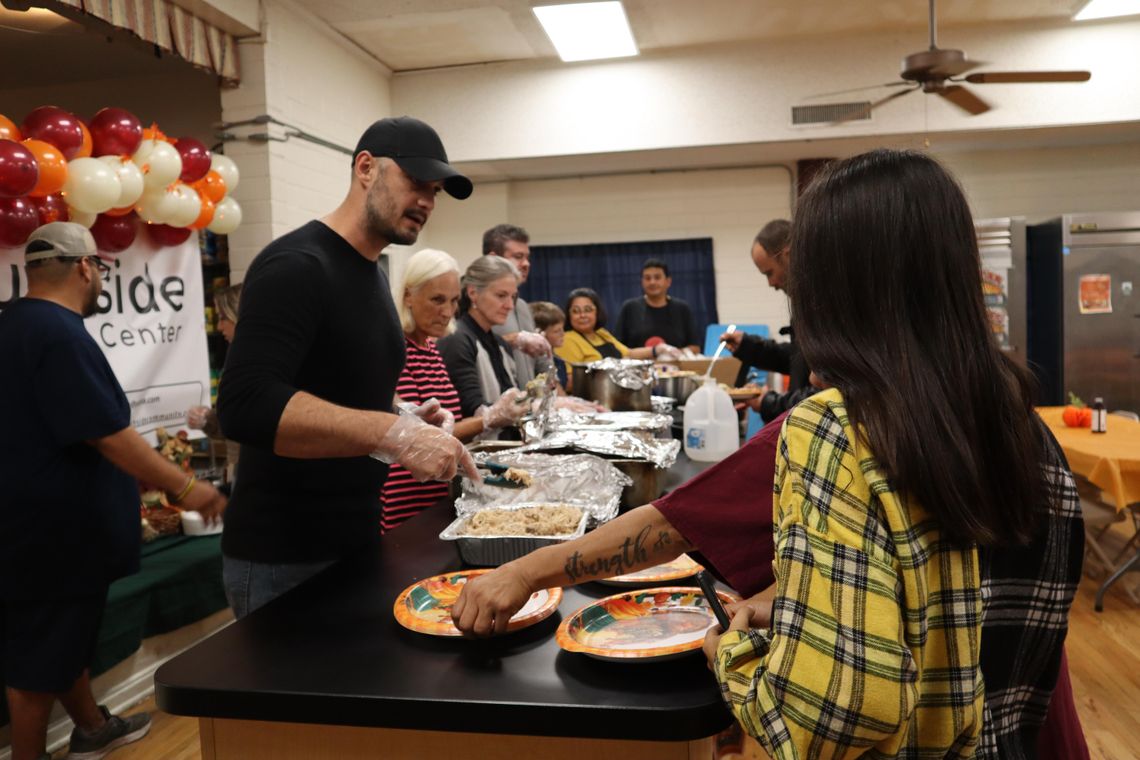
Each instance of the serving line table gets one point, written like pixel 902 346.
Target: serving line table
pixel 326 671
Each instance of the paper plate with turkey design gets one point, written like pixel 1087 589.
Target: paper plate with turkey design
pixel 425 606
pixel 653 624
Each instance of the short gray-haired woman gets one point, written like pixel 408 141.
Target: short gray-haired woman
pixel 478 361
pixel 428 300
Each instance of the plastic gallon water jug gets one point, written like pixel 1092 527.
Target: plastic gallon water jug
pixel 712 431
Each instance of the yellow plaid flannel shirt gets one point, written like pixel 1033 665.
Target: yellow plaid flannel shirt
pixel 874 645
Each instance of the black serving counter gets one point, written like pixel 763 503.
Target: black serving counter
pixel 330 655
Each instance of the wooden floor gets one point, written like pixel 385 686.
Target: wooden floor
pixel 1104 660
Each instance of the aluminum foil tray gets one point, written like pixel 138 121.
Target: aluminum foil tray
pixel 581 480
pixel 622 444
pixel 492 551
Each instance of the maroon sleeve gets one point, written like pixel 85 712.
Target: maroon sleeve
pixel 726 512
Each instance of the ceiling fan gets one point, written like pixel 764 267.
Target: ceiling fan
pixel 939 70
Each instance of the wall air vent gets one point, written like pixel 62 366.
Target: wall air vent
pixel 829 113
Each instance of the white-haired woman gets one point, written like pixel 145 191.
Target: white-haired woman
pixel 429 300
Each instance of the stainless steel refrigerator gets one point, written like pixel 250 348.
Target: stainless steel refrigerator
pixel 1083 312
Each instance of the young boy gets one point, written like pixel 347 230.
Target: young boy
pixel 551 322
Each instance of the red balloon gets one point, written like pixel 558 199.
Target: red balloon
pixel 195 159
pixel 18 168
pixel 51 208
pixel 115 132
pixel 114 234
pixel 54 126
pixel 18 219
pixel 164 235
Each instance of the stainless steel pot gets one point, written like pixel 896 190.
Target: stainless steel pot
pixel 595 384
pixel 678 386
pixel 647 482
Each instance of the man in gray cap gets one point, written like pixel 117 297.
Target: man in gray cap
pixel 311 375
pixel 69 514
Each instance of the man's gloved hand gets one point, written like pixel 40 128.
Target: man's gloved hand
pixel 532 344
pixel 197 417
pixel 425 451
pixel 433 414
pixel 506 410
pixel 665 351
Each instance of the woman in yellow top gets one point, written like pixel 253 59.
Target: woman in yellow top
pixel 587 339
pixel 926 529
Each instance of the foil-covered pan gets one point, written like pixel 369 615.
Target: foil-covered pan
pixel 581 480
pixel 622 444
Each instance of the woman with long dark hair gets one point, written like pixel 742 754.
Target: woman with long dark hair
pixel 916 498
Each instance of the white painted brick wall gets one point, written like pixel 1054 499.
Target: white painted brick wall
pixel 1047 182
pixel 303 73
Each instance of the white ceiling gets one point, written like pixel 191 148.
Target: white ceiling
pixel 409 35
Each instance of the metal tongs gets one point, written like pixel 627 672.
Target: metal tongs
pixel 498 477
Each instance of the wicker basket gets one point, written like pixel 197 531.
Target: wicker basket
pixel 166 521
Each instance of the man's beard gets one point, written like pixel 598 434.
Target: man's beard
pixel 91 298
pixel 378 213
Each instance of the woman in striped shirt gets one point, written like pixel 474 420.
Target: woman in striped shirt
pixel 430 300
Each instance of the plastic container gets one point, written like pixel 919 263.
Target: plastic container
pixel 712 430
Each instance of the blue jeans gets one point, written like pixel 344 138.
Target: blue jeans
pixel 250 585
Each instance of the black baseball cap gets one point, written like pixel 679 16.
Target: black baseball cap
pixel 417 149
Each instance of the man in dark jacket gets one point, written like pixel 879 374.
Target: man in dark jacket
pixel 770 252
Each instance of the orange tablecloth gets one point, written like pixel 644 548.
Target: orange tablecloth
pixel 1110 460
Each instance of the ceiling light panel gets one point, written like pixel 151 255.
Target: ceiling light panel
pixel 1108 9
pixel 587 31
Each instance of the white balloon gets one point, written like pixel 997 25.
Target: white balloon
pixel 81 217
pixel 228 170
pixel 91 185
pixel 157 205
pixel 227 217
pixel 130 179
pixel 159 161
pixel 187 206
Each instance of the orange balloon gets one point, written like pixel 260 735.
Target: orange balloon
pixel 9 130
pixel 85 147
pixel 53 168
pixel 207 214
pixel 154 133
pixel 211 186
pixel 119 211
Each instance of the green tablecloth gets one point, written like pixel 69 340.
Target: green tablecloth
pixel 179 582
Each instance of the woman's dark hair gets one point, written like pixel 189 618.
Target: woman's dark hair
pixel 595 298
pixel 884 282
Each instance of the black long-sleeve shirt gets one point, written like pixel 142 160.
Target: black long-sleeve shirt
pixel 784 358
pixel 318 317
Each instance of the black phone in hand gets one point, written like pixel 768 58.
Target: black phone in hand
pixel 707 586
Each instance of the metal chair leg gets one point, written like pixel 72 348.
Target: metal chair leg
pixel 1120 571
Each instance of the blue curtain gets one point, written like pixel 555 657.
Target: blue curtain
pixel 614 270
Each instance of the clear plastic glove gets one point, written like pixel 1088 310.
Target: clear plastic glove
pixel 507 410
pixel 532 344
pixel 197 417
pixel 577 405
pixel 665 351
pixel 433 413
pixel 425 451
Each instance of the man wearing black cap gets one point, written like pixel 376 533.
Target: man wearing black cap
pixel 69 506
pixel 311 375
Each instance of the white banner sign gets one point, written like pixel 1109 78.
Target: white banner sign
pixel 150 325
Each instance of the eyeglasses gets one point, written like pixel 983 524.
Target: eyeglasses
pixel 101 265
pixel 579 310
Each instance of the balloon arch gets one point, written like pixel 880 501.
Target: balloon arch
pixel 112 176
